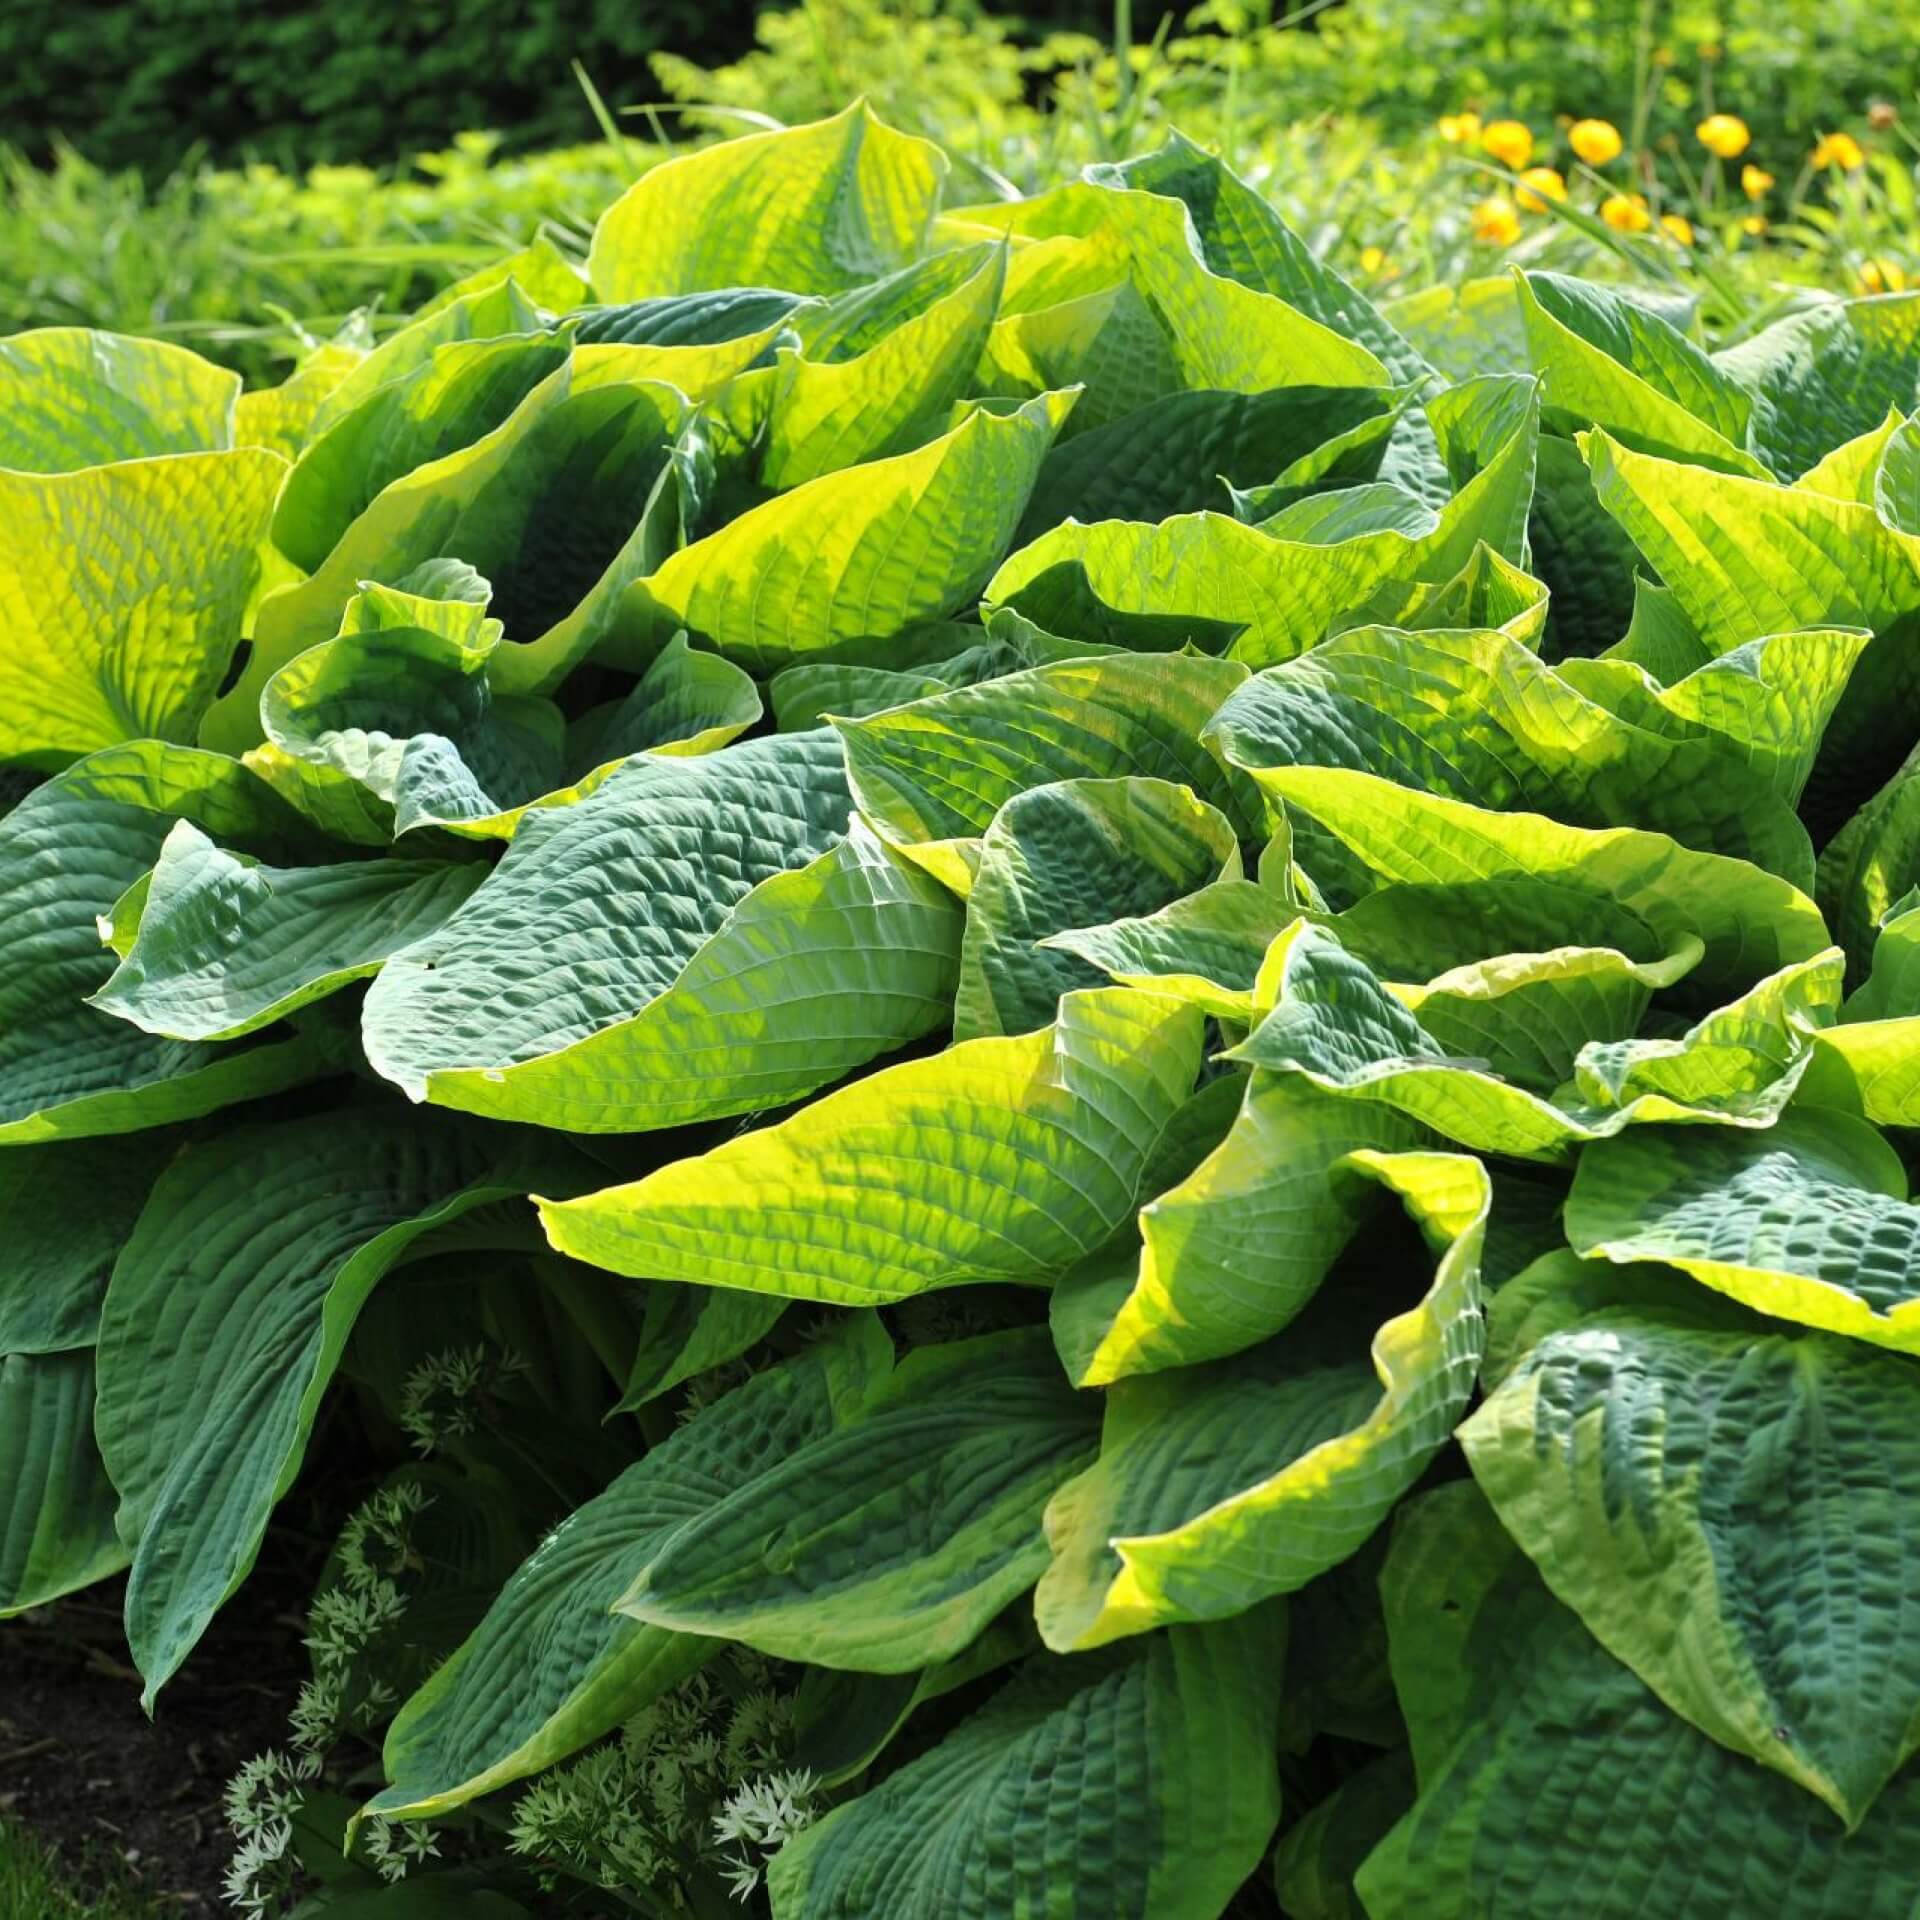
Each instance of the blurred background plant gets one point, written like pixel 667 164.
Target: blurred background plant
pixel 1743 152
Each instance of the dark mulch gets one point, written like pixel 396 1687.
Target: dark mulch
pixel 82 1764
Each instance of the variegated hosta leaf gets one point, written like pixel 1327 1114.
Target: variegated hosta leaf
pixel 462 391
pixel 282 417
pixel 559 507
pixel 1750 923
pixel 888 1544
pixel 1732 1513
pixel 1823 375
pixel 1059 856
pixel 932 775
pixel 1236 1244
pixel 56 1503
pixel 122 589
pixel 998 1160
pixel 67 854
pixel 1314 1864
pixel 1205 947
pixel 1272 598
pixel 699 936
pixel 224 1322
pixel 814 208
pixel 1745 557
pixel 1332 1022
pixel 222 946
pixel 846 399
pixel 1607 361
pixel 552 1667
pixel 72 397
pixel 843 563
pixel 1241 236
pixel 1140 1780
pixel 1531 1742
pixel 1764 705
pixel 1189 451
pixel 1807 1221
pixel 1479 717
pixel 65 1211
pixel 1220 1485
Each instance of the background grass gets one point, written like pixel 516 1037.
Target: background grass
pixel 35 1886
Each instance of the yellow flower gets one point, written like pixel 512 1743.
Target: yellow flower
pixel 1754 225
pixel 1538 185
pixel 1595 141
pixel 1724 135
pixel 1373 260
pixel 1460 129
pixel 1882 276
pixel 1679 227
pixel 1509 142
pixel 1626 212
pixel 1838 150
pixel 1496 223
pixel 1755 182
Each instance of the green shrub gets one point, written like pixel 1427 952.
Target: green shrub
pixel 139 81
pixel 1093 1065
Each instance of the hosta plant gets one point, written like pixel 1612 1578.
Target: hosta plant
pixel 1096 1071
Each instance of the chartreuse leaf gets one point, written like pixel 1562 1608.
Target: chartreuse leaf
pixel 1206 947
pixel 1750 923
pixel 1765 704
pixel 1108 343
pixel 465 390
pixel 467 310
pixel 1824 375
pixel 838 409
pixel 1238 1242
pixel 697 937
pixel 559 507
pixel 1227 332
pixel 1219 1485
pixel 551 1667
pixel 1189 451
pixel 224 945
pixel 282 417
pixel 397 726
pixel 1607 361
pixel 225 1320
pixel 74 397
pixel 122 589
pixel 1480 717
pixel 56 1503
pixel 1808 1221
pixel 714 317
pixel 932 775
pixel 1729 1512
pixel 1061 856
pixel 816 208
pixel 1138 1782
pixel 843 563
pixel 1743 557
pixel 998 1160
pixel 889 1543
pixel 1271 598
pixel 1530 1740
pixel 65 1211
pixel 67 854
pixel 1240 235
pixel 1333 1023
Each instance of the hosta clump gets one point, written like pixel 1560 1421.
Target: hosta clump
pixel 1097 1071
